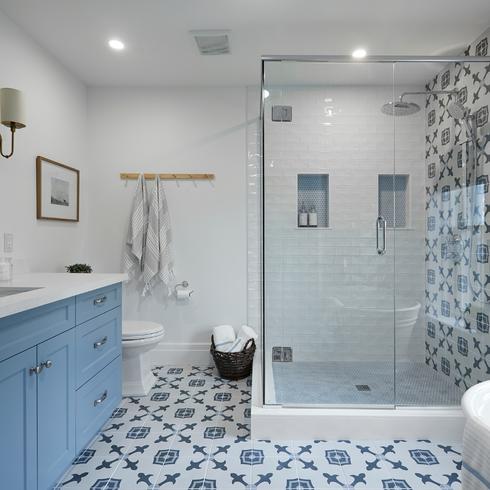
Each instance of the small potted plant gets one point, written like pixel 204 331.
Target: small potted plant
pixel 79 268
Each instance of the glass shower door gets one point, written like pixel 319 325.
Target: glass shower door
pixel 329 191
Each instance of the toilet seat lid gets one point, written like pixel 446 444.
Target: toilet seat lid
pixel 136 329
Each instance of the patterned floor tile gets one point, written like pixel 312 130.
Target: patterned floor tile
pixel 192 432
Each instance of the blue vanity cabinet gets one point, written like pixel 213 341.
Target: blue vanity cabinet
pixel 55 407
pixel 60 379
pixel 18 422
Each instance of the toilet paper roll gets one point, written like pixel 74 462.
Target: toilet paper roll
pixel 183 293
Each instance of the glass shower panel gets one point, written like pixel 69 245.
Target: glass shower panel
pixel 442 296
pixel 328 190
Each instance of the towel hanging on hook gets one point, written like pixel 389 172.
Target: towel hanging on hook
pixel 136 236
pixel 158 260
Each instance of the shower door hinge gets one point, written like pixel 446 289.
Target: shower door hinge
pixel 282 354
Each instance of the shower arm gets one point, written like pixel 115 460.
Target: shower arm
pixel 429 92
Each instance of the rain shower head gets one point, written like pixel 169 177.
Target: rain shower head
pixel 400 108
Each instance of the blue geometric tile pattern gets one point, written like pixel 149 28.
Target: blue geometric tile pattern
pixel 214 433
pixel 196 454
pixel 84 456
pixel 337 457
pixel 457 256
pixel 423 456
pixel 166 456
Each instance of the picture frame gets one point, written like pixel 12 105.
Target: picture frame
pixel 57 191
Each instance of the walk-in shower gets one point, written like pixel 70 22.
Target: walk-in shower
pixel 374 244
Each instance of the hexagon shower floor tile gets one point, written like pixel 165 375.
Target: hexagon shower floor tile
pixel 193 433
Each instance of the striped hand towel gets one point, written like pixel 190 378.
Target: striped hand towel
pixel 158 262
pixel 135 241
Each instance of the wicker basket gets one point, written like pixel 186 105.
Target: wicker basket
pixel 234 365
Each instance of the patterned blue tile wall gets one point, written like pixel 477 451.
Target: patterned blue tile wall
pixel 457 304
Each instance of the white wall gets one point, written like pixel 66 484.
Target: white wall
pixel 175 130
pixel 56 125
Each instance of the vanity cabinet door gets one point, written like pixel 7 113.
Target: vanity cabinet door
pixel 56 407
pixel 18 445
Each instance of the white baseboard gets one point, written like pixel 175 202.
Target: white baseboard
pixel 181 353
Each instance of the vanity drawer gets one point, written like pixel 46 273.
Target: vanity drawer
pixel 94 303
pixel 23 330
pixel 95 402
pixel 98 343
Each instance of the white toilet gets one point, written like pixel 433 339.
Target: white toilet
pixel 138 338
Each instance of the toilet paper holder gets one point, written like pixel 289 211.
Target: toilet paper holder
pixel 184 285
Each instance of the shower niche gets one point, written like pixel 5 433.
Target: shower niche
pixel 312 205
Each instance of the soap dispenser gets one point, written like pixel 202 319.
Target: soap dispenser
pixel 303 215
pixel 312 217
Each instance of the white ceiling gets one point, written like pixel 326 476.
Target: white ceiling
pixel 160 50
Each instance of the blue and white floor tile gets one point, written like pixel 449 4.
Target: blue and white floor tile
pixel 192 432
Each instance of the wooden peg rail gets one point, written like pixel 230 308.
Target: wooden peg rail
pixel 135 176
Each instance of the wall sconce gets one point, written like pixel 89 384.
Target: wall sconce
pixel 12 114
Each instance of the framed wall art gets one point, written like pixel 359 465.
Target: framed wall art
pixel 58 190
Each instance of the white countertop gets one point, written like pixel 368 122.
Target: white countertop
pixel 53 287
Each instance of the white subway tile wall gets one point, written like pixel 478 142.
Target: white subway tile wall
pixel 322 284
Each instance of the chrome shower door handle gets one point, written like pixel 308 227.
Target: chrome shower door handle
pixel 381 223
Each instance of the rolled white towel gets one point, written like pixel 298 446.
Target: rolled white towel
pixel 247 333
pixel 244 335
pixel 224 337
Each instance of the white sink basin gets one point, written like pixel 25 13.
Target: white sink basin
pixel 476 403
pixel 9 291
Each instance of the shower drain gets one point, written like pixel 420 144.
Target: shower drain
pixel 363 388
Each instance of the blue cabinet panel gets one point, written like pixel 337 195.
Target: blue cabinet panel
pixel 56 407
pixel 22 331
pixel 96 400
pixel 94 303
pixel 98 343
pixel 18 445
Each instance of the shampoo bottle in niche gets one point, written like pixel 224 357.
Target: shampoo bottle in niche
pixel 303 215
pixel 312 217
pixel 5 269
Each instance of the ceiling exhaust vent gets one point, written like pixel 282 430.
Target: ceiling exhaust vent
pixel 211 42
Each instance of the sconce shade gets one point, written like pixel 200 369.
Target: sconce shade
pixel 12 109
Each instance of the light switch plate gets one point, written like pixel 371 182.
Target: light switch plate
pixel 8 243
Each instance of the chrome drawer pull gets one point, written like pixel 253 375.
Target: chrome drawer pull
pixel 101 399
pixel 99 301
pixel 100 342
pixel 36 369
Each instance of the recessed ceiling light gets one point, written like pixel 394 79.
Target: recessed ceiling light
pixel 359 53
pixel 116 44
